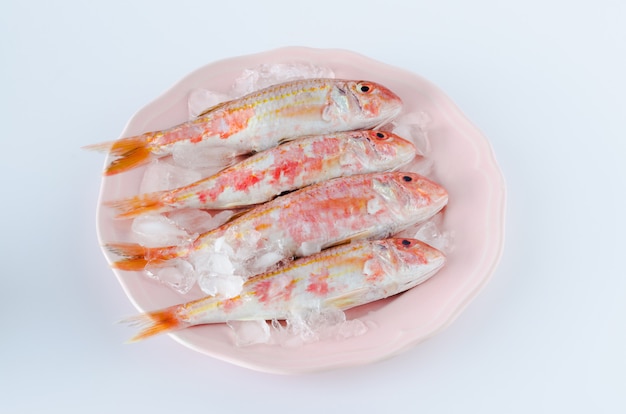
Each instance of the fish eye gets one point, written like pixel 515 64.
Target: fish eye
pixel 381 135
pixel 407 178
pixel 406 242
pixel 364 87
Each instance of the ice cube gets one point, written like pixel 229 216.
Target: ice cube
pixel 431 233
pixel 211 262
pixel 250 332
pixel 280 335
pixel 156 230
pixel 242 250
pixel 192 220
pixel 264 262
pixel 221 245
pixel 427 232
pixel 324 322
pixel 298 331
pixel 309 248
pixel 313 324
pixel 177 274
pixel 220 218
pixel 348 329
pixel 161 175
pixel 202 155
pixel 420 165
pixel 303 325
pixel 201 99
pixel 414 127
pixel 214 284
pixel 222 265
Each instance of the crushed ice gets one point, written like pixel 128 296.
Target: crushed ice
pixel 250 332
pixel 304 327
pixel 266 75
pixel 431 232
pixel 161 175
pixel 202 99
pixel 178 274
pixel 414 126
pixel 198 221
pixel 226 285
pixel 156 230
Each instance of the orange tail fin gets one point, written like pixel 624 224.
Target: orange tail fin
pixel 135 256
pixel 131 152
pixel 132 207
pixel 154 323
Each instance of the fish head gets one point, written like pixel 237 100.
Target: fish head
pixel 361 104
pixel 413 262
pixel 412 197
pixel 383 151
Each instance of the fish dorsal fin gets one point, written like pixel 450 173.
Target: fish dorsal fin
pixel 284 140
pixel 236 215
pixel 212 109
pixel 360 236
pixel 338 243
pixel 347 300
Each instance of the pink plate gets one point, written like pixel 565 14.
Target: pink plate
pixel 463 162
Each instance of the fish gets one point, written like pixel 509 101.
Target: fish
pixel 263 119
pixel 365 206
pixel 338 278
pixel 293 165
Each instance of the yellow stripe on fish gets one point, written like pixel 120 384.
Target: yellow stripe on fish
pixel 337 278
pixel 265 118
pixel 281 169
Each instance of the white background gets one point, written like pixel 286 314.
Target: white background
pixel 544 80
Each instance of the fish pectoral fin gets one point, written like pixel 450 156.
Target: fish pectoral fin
pixel 347 300
pixel 337 105
pixel 329 113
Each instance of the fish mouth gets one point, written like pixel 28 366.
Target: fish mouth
pixel 390 108
pixel 394 160
pixel 404 155
pixel 389 114
pixel 435 192
pixel 408 280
